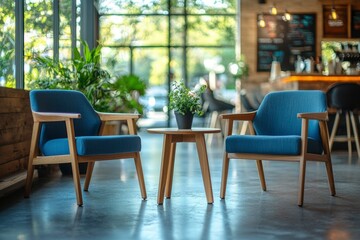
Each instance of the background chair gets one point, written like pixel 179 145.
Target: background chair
pixel 344 98
pixel 213 107
pixel 288 126
pixel 68 130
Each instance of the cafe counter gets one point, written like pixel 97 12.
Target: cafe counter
pixel 315 82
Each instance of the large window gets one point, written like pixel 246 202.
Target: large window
pixel 42 27
pixel 67 32
pixel 38 33
pixel 48 35
pixel 158 40
pixel 169 39
pixel 7 43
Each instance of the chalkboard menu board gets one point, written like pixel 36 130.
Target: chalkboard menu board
pixel 283 40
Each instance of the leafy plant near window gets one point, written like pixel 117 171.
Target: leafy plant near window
pixel 129 89
pixel 184 100
pixel 84 73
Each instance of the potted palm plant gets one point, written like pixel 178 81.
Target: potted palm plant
pixel 186 103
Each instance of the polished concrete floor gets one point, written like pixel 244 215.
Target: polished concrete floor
pixel 113 208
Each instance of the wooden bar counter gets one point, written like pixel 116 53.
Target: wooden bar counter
pixel 319 82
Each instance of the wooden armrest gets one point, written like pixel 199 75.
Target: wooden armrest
pixel 118 116
pixel 246 116
pixel 130 118
pixel 53 116
pixel 321 116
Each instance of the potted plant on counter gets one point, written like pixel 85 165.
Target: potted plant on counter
pixel 186 103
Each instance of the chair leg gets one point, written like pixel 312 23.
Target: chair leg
pixel 330 175
pixel 140 175
pixel 89 171
pixel 356 135
pixel 334 129
pixel 33 153
pixel 301 182
pixel 76 178
pixel 348 132
pixel 224 177
pixel 29 178
pixel 261 174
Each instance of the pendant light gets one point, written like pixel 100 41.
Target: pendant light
pixel 287 16
pixel 273 10
pixel 333 14
pixel 261 21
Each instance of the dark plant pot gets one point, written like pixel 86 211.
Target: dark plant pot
pixel 184 121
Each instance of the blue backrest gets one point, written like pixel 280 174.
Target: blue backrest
pixel 65 101
pixel 277 114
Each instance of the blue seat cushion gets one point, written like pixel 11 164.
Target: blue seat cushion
pixel 93 145
pixel 264 144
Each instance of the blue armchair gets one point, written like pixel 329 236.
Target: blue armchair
pixel 288 126
pixel 68 130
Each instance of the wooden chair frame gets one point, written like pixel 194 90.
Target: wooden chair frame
pixel 36 159
pixel 302 158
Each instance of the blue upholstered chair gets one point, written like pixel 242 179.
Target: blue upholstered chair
pixel 68 130
pixel 288 126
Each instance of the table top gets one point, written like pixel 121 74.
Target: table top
pixel 177 131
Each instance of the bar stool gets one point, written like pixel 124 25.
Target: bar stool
pixel 344 98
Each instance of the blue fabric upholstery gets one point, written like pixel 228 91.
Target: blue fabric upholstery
pixel 278 145
pixel 277 127
pixel 94 145
pixel 53 135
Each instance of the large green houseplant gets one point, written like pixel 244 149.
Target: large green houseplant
pixel 84 73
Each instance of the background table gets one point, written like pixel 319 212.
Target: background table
pixel 171 137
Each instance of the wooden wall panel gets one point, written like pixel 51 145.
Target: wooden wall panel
pixel 16 120
pixel 13 93
pixel 7 136
pixel 11 105
pixel 14 166
pixel 15 130
pixel 14 151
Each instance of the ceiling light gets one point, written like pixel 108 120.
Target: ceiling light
pixel 287 16
pixel 273 10
pixel 333 14
pixel 261 21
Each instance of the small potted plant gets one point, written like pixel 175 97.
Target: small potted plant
pixel 185 102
